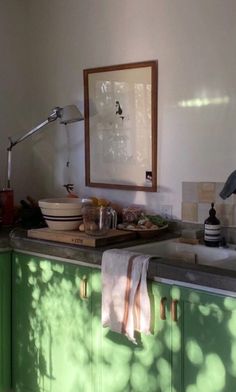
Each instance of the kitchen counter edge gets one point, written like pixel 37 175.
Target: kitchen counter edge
pixel 159 268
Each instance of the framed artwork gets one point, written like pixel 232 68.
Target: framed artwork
pixel 121 126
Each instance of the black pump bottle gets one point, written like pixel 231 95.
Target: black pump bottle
pixel 212 229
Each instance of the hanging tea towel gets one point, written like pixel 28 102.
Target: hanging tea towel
pixel 125 300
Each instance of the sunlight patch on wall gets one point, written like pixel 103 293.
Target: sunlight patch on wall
pixel 199 102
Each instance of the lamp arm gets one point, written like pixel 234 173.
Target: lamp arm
pixel 52 117
pixel 14 143
pixel 26 135
pixel 9 168
pixel 67 115
pixel 56 113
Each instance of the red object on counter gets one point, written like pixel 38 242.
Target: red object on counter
pixel 7 206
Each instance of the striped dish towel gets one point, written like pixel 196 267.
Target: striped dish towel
pixel 125 300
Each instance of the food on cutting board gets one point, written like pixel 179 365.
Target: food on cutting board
pixel 157 220
pixel 99 202
pixel 103 203
pixel 81 227
pixel 131 214
pixel 135 219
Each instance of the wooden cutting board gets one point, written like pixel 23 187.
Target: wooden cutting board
pixel 78 238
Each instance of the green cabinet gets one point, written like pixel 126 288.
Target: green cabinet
pixel 208 352
pixel 125 367
pixel 51 326
pixel 201 330
pixel 192 347
pixel 5 323
pixel 59 344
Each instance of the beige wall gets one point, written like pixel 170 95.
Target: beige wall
pixel 14 93
pixel 194 42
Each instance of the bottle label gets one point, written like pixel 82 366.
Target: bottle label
pixel 212 233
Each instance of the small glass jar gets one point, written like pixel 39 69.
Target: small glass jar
pixel 97 220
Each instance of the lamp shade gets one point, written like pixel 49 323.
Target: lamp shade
pixel 70 114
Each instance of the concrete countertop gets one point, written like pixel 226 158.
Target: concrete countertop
pixel 202 277
pixel 18 240
pixel 179 272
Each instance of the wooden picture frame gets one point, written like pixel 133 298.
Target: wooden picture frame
pixel 120 106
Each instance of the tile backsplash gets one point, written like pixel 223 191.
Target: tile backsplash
pixel 196 202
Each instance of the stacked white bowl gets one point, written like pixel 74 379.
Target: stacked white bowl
pixel 62 213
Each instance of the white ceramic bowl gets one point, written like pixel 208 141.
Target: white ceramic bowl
pixel 62 213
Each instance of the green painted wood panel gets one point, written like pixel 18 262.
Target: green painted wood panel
pixel 60 345
pixel 51 326
pixel 209 342
pixel 121 366
pixel 5 323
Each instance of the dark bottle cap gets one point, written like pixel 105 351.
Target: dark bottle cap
pixel 212 219
pixel 212 211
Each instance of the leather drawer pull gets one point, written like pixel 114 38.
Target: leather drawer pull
pixel 84 288
pixel 163 308
pixel 174 304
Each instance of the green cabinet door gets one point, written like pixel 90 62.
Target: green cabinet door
pixel 51 326
pixel 208 323
pixel 201 337
pixel 121 366
pixel 5 324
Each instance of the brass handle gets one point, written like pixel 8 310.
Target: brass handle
pixel 163 308
pixel 174 304
pixel 84 288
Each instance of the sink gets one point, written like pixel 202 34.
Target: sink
pixel 200 254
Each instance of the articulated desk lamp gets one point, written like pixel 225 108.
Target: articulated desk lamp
pixel 66 115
